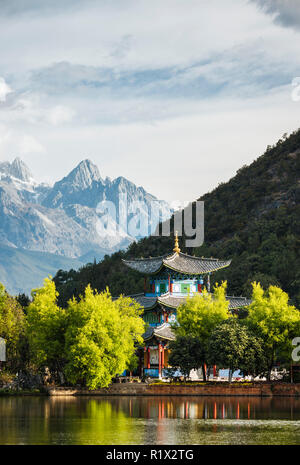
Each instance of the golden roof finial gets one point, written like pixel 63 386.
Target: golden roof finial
pixel 176 248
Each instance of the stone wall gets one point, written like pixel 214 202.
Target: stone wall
pixel 143 389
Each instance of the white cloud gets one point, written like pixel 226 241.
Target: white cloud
pixel 4 90
pixel 156 91
pixel 5 134
pixel 29 144
pixel 136 34
pixel 60 115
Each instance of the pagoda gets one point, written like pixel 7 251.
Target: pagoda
pixel 173 278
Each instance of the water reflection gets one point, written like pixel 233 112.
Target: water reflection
pixel 149 420
pixel 210 407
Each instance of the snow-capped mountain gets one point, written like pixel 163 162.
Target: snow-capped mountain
pixel 17 169
pixel 67 219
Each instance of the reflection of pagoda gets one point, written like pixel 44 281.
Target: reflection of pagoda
pixel 173 278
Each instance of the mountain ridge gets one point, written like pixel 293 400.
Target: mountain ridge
pixel 17 168
pixel 64 219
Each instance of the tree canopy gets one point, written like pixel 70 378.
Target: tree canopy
pixel 272 318
pixel 186 354
pixel 234 346
pixel 101 337
pixel 198 316
pixel 91 341
pixel 46 324
pixel 12 328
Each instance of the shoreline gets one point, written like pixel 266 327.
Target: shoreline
pixel 213 390
pixel 160 390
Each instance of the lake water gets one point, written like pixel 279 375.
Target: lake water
pixel 149 420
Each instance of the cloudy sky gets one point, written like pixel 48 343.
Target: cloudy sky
pixel 175 95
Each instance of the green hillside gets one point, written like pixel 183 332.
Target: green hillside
pixel 252 219
pixel 21 270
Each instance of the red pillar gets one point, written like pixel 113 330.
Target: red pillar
pixel 145 360
pixel 159 359
pixel 169 289
pixel 215 371
pixel 148 358
pixel 141 362
pixel 162 358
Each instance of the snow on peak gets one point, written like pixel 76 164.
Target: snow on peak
pixel 17 169
pixel 84 174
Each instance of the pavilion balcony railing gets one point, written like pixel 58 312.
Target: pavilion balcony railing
pixel 152 294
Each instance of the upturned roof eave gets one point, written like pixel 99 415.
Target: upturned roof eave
pixel 165 259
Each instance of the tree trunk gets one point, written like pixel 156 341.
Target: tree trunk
pixel 271 366
pixel 208 372
pixel 230 375
pixel 203 372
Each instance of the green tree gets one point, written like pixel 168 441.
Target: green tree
pixel 24 301
pixel 198 316
pixel 234 346
pixel 274 320
pixel 186 354
pixel 46 325
pixel 12 329
pixel 101 337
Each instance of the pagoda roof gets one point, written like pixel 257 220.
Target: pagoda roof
pixel 146 302
pixel 171 301
pixel 163 331
pixel 180 262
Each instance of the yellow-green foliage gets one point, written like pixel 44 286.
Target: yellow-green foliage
pixel 12 325
pixel 45 326
pixel 199 315
pixel 101 337
pixel 92 340
pixel 271 317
